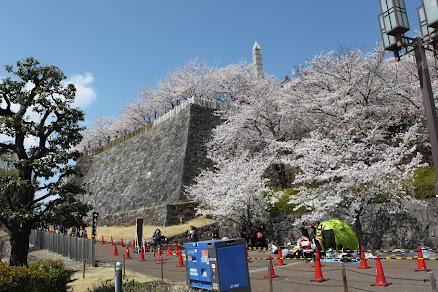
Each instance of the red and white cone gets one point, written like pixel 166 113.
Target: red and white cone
pixel 141 255
pixel 272 269
pixel 159 256
pixel 380 276
pixel 280 258
pixel 115 250
pixel 169 250
pixel 180 260
pixel 421 263
pixel 363 261
pixel 176 250
pixel 318 272
pixel 247 257
pixel 127 255
pixel 111 242
pixel 146 247
pixel 121 243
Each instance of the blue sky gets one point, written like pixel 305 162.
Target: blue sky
pixel 112 48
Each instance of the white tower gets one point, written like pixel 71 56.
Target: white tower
pixel 257 62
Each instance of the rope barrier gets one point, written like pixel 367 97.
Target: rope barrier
pixel 386 276
pixel 349 258
pixel 352 250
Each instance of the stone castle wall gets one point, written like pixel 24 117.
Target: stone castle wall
pixel 145 175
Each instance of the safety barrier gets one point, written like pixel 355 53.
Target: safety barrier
pixel 355 250
pixel 76 248
pixel 264 249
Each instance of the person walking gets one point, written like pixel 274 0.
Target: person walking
pixel 156 240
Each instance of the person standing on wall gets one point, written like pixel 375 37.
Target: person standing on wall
pixel 214 233
pixel 191 234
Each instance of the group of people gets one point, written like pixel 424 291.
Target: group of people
pixel 74 231
pixel 191 235
pixel 257 238
pixel 306 244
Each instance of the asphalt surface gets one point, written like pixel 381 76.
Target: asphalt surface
pixel 295 275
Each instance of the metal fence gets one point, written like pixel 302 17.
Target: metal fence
pixel 76 248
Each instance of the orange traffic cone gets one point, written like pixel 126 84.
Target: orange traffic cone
pixel 280 258
pixel 112 242
pixel 248 260
pixel 176 249
pixel 133 244
pixel 380 276
pixel 272 269
pixel 146 247
pixel 159 256
pixel 160 251
pixel 115 250
pixel 363 261
pixel 127 255
pixel 121 243
pixel 318 273
pixel 421 263
pixel 102 241
pixel 169 250
pixel 141 255
pixel 180 260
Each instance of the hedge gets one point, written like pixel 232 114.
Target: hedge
pixel 40 276
pixel 132 286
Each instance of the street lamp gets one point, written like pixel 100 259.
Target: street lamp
pixel 393 24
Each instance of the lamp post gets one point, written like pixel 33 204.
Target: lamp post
pixel 393 24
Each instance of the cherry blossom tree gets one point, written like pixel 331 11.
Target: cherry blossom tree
pixel 99 133
pixel 351 122
pixel 365 147
pixel 233 191
pixel 196 78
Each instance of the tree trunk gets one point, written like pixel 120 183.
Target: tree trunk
pixel 20 244
pixel 359 234
pixel 281 170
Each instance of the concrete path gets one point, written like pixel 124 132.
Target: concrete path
pixel 294 276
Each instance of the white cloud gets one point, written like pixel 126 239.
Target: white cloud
pixel 85 94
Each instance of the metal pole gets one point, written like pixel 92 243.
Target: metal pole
pixel 433 282
pixel 83 248
pixel 118 282
pixel 162 274
pixel 123 259
pixel 271 289
pixel 428 102
pixel 344 277
pixel 93 260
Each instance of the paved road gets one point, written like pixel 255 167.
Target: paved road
pixel 294 276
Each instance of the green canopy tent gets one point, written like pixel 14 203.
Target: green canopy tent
pixel 337 233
